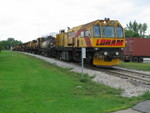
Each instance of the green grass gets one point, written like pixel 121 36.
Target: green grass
pixel 136 66
pixel 30 85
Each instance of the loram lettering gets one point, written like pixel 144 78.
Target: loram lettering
pixel 109 42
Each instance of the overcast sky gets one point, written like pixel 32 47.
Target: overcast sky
pixel 26 20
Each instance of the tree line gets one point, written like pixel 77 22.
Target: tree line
pixel 134 29
pixel 10 42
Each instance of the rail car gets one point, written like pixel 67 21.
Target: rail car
pixel 136 49
pixel 104 41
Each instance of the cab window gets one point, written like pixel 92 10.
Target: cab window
pixel 96 30
pixel 108 31
pixel 119 32
pixel 82 34
pixel 71 34
pixel 87 33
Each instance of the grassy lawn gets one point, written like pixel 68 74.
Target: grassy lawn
pixel 30 85
pixel 136 66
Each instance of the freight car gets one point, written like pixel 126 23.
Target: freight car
pixel 136 49
pixel 104 41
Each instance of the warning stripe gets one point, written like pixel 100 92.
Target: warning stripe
pixel 88 42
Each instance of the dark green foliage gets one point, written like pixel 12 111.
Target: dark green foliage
pixel 10 42
pixel 0 47
pixel 130 33
pixel 148 36
pixel 135 29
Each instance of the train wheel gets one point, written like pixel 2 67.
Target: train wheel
pixel 60 57
pixel 140 60
pixel 135 59
pixel 126 60
pixel 45 54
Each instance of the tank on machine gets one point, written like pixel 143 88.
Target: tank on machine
pixel 46 45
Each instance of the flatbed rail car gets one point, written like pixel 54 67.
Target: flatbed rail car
pixel 104 41
pixel 136 49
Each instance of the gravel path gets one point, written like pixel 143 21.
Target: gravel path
pixel 128 89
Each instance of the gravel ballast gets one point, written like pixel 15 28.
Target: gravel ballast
pixel 128 89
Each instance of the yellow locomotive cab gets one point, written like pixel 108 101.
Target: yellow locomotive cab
pixel 98 37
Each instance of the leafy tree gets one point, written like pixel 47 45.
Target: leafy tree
pixel 144 28
pixel 135 29
pixel 10 42
pixel 148 36
pixel 131 33
pixel 0 47
pixel 140 29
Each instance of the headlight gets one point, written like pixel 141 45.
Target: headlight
pixel 105 53
pixel 95 48
pixel 122 48
pixel 117 53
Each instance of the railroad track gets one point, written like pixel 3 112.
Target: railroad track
pixel 137 77
pixel 130 75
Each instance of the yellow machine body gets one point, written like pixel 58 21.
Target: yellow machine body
pixel 84 36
